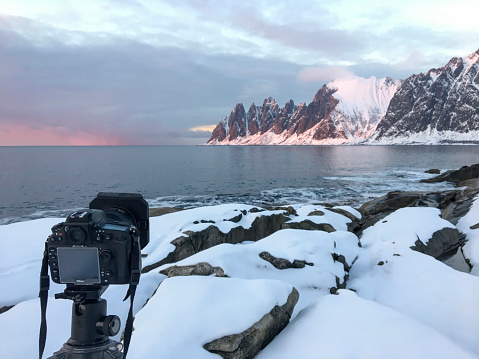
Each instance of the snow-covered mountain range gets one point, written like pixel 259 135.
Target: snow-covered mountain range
pixel 441 106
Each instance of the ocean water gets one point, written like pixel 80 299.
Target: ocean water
pixel 38 182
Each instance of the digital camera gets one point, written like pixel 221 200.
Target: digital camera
pixel 94 246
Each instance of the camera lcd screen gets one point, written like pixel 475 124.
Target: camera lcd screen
pixel 78 265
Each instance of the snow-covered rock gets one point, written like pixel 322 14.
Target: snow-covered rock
pixel 347 326
pixel 469 225
pixel 407 304
pixel 187 313
pixel 319 250
pixel 390 273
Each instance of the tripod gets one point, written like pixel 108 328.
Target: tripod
pixel 90 327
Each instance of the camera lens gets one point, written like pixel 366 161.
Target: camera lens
pixel 76 235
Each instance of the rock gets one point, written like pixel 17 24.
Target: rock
pixel 316 213
pixel 5 308
pixel 287 210
pixel 476 226
pixel 281 263
pixel 155 212
pixel 309 225
pixel 235 219
pixel 202 268
pixel 249 343
pixel 355 223
pixel 194 242
pixel 433 105
pixel 433 171
pixel 453 204
pixel 442 241
pixel 256 210
pixel 465 173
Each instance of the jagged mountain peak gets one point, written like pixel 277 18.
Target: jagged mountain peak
pixel 346 110
pixel 350 110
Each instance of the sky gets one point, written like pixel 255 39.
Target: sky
pixel 157 72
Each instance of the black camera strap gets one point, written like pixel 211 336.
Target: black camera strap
pixel 43 294
pixel 135 261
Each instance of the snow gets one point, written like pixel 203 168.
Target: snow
pixel 166 228
pixel 189 312
pixel 429 137
pixel 390 273
pixel 360 95
pixel 471 248
pixel 337 221
pixel 405 305
pixel 314 247
pixel 347 326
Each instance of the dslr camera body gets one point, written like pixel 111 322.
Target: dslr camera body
pixel 97 246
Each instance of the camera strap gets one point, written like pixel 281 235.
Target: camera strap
pixel 43 294
pixel 135 260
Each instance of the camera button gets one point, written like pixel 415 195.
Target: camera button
pixel 105 256
pixel 108 237
pixel 52 250
pixel 99 238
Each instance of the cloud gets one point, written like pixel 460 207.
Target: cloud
pixel 324 73
pixel 148 72
pixel 123 90
pixel 205 128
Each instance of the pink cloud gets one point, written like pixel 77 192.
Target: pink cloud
pixel 21 135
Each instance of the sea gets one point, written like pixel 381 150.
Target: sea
pixel 38 182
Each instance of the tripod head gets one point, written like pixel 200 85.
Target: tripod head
pixel 90 326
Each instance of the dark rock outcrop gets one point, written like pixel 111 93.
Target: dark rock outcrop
pixel 441 242
pixel 453 204
pixel 247 345
pixel 463 174
pixel 194 242
pixel 203 268
pixel 154 212
pixel 281 263
pixel 309 225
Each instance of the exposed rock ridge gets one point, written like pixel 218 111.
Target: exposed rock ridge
pixel 247 344
pixel 440 106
